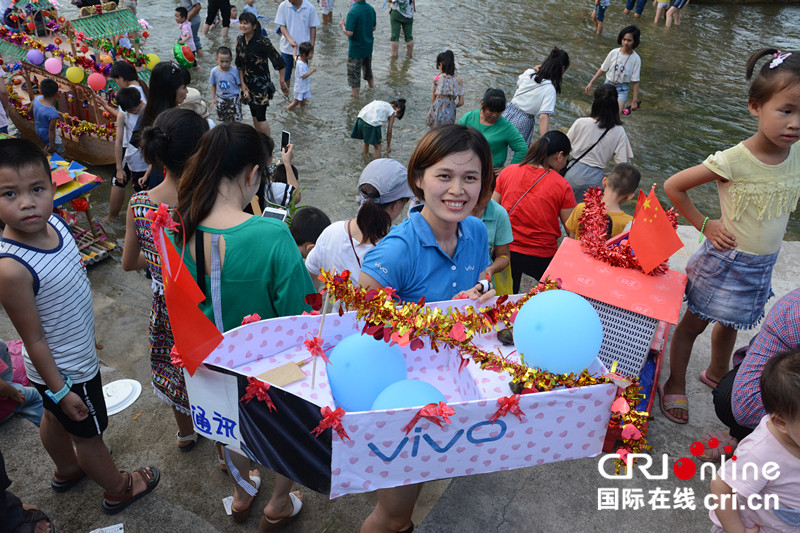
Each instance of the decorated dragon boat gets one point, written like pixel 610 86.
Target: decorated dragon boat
pixel 37 43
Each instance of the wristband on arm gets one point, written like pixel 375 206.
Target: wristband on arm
pixel 58 396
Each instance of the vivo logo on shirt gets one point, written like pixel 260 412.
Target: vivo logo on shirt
pixel 470 267
pixel 381 268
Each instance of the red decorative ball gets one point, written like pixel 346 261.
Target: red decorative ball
pixel 14 18
pixel 145 34
pixel 58 41
pixel 31 26
pixel 62 20
pixel 84 49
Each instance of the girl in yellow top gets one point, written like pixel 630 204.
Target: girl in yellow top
pixel 759 184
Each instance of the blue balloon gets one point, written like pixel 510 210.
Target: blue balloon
pixel 407 393
pixel 558 331
pixel 361 367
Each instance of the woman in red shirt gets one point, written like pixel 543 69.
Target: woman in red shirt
pixel 536 196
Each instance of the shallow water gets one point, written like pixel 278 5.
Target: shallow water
pixel 693 89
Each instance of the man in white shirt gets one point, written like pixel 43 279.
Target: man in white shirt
pixel 298 21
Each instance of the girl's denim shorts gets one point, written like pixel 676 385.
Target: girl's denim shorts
pixel 730 287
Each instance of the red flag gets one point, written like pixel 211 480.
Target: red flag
pixel 652 237
pixel 195 335
pixel 640 201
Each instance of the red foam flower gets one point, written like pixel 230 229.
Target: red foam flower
pixel 331 419
pixel 80 204
pixel 176 358
pixel 508 404
pixel 437 413
pixel 161 218
pixel 258 389
pixel 314 346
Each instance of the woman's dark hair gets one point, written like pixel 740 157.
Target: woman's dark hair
pixel 126 71
pixel 372 220
pixel 444 140
pixel 447 61
pixel 605 108
pixel 548 144
pixel 771 80
pixel 780 385
pixel 224 153
pixel 165 80
pixel 252 20
pixel 173 139
pixel 279 176
pixel 635 33
pixel 553 68
pixel 494 100
pixel 401 105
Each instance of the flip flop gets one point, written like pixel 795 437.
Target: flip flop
pixel 151 480
pixel 707 380
pixel 715 454
pixel 68 482
pixel 31 518
pixel 191 439
pixel 268 524
pixel 241 515
pixel 673 401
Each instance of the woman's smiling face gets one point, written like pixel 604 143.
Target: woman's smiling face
pixel 452 187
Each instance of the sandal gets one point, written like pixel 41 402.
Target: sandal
pixel 724 439
pixel 707 380
pixel 191 439
pixel 68 481
pixel 268 524
pixel 241 515
pixel 151 479
pixel 31 518
pixel 673 401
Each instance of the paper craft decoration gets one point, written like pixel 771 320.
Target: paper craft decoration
pixel 75 167
pixel 652 237
pixel 367 450
pixel 60 177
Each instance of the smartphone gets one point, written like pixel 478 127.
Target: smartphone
pixel 286 139
pixel 272 212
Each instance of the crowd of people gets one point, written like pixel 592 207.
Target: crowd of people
pixel 473 218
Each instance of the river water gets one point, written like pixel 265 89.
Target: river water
pixel 693 91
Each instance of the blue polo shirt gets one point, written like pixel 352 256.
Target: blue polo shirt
pixel 409 259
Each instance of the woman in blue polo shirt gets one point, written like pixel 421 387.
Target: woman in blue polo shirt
pixel 438 253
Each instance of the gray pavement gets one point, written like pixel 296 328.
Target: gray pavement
pixel 548 498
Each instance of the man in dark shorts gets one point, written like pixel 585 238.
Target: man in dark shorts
pixel 360 27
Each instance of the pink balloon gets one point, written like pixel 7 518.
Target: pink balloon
pixel 53 65
pixel 97 81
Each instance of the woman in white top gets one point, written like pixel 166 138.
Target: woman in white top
pixel 383 193
pixel 536 95
pixel 595 140
pixel 622 67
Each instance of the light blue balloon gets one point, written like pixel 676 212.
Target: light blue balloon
pixel 558 331
pixel 407 393
pixel 361 367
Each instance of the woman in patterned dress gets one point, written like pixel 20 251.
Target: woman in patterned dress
pixel 254 52
pixel 448 92
pixel 169 142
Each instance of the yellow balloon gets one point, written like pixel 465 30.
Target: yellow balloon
pixel 152 61
pixel 75 74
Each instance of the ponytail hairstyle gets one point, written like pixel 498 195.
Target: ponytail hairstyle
pixel 447 61
pixel 605 108
pixel 553 68
pixel 224 153
pixel 372 220
pixel 494 100
pixel 126 71
pixel 165 80
pixel 548 144
pixel 251 19
pixel 440 142
pixel 172 139
pixel 401 105
pixel 776 75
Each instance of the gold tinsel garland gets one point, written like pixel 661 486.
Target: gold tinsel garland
pixel 405 323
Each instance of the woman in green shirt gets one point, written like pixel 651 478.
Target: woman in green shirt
pixel 500 133
pixel 252 263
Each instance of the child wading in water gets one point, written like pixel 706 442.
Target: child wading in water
pixel 302 83
pixel 622 67
pixel 46 294
pixel 759 184
pixel 370 119
pixel 169 142
pixel 448 91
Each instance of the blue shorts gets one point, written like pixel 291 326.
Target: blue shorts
pixel 622 90
pixel 730 287
pixel 678 4
pixel 600 12
pixel 639 6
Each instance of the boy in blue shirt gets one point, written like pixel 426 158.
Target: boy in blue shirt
pixel 45 116
pixel 226 84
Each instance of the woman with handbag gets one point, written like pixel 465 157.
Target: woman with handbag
pixel 536 197
pixel 254 52
pixel 596 139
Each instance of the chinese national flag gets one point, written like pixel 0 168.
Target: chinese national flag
pixel 652 237
pixel 195 335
